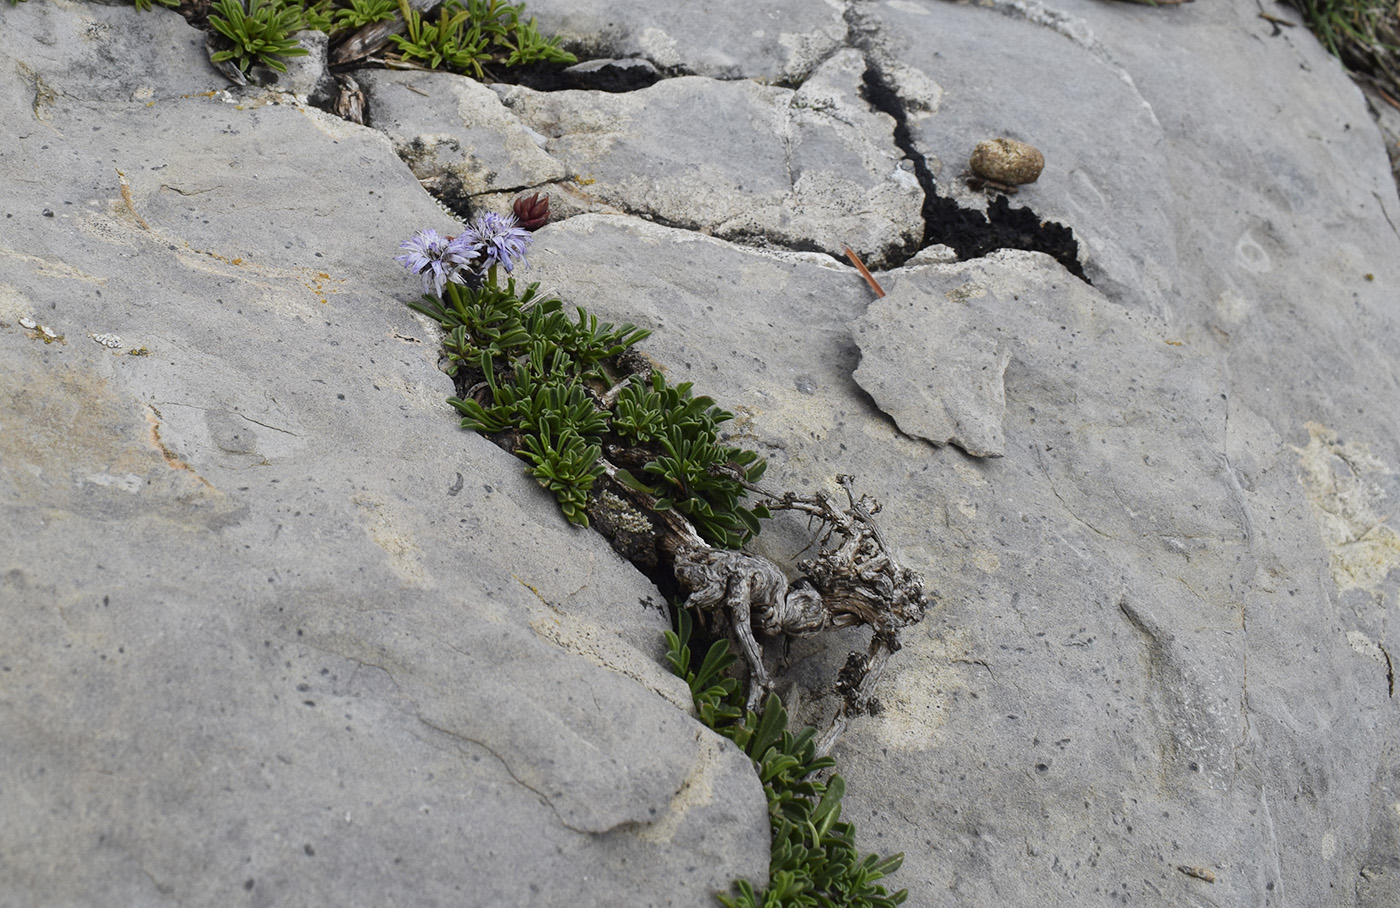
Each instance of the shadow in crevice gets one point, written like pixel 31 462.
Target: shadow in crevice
pixel 605 74
pixel 969 232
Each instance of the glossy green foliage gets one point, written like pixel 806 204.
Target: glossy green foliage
pixel 565 464
pixel 814 862
pixel 260 34
pixel 518 39
pixel 486 319
pixel 533 362
pixel 360 13
pixel 449 43
pixel 716 695
pixel 697 477
pixel 318 15
pixel 693 472
pixel 496 321
pixel 559 424
pixel 530 361
pixel 465 38
pixel 645 408
pixel 536 390
pixel 590 341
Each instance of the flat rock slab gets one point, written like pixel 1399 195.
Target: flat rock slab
pixel 280 629
pixel 445 125
pixel 1123 593
pixel 1105 174
pixel 935 366
pixel 723 39
pixel 812 168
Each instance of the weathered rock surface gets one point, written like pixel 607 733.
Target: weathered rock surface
pixel 444 125
pixel 935 366
pixel 280 631
pixel 811 168
pixel 780 41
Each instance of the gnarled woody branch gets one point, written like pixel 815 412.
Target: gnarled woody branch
pixel 853 580
pixel 372 38
pixel 860 582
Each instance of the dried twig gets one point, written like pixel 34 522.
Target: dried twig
pixel 373 37
pixel 853 580
pixel 130 202
pixel 864 272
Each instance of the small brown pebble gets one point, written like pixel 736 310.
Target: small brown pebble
pixel 1007 161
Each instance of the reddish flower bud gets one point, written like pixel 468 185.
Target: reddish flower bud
pixel 532 212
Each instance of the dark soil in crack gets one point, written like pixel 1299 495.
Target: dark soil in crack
pixel 969 232
pixel 614 76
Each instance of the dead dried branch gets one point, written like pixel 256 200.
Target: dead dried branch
pixel 853 580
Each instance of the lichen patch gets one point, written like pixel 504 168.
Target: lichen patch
pixel 1346 484
pixel 405 557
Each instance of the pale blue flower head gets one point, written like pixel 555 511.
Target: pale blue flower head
pixel 427 257
pixel 463 251
pixel 501 239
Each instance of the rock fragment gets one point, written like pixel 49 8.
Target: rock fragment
pixel 935 366
pixel 1007 161
pixel 812 168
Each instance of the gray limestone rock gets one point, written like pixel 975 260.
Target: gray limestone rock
pixel 722 39
pixel 447 126
pixel 935 364
pixel 1114 685
pixel 1040 77
pixel 1388 120
pixel 279 631
pixel 606 74
pixel 812 168
pixel 307 76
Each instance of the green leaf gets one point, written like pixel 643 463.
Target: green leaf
pixel 717 659
pixel 627 479
pixel 828 811
pixel 770 727
pixel 261 33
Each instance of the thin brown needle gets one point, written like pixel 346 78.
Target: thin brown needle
pixel 864 272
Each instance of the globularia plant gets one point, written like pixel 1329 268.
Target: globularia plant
pixel 645 462
pixel 463 38
pixel 554 391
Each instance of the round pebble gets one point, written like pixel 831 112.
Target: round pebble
pixel 1007 161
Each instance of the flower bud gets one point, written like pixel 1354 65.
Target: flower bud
pixel 532 212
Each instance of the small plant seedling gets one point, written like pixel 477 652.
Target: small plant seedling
pixel 260 34
pixel 365 12
pixel 447 44
pixel 467 38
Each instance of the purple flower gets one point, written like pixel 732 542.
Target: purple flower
pixel 427 257
pixel 501 240
pixel 462 251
